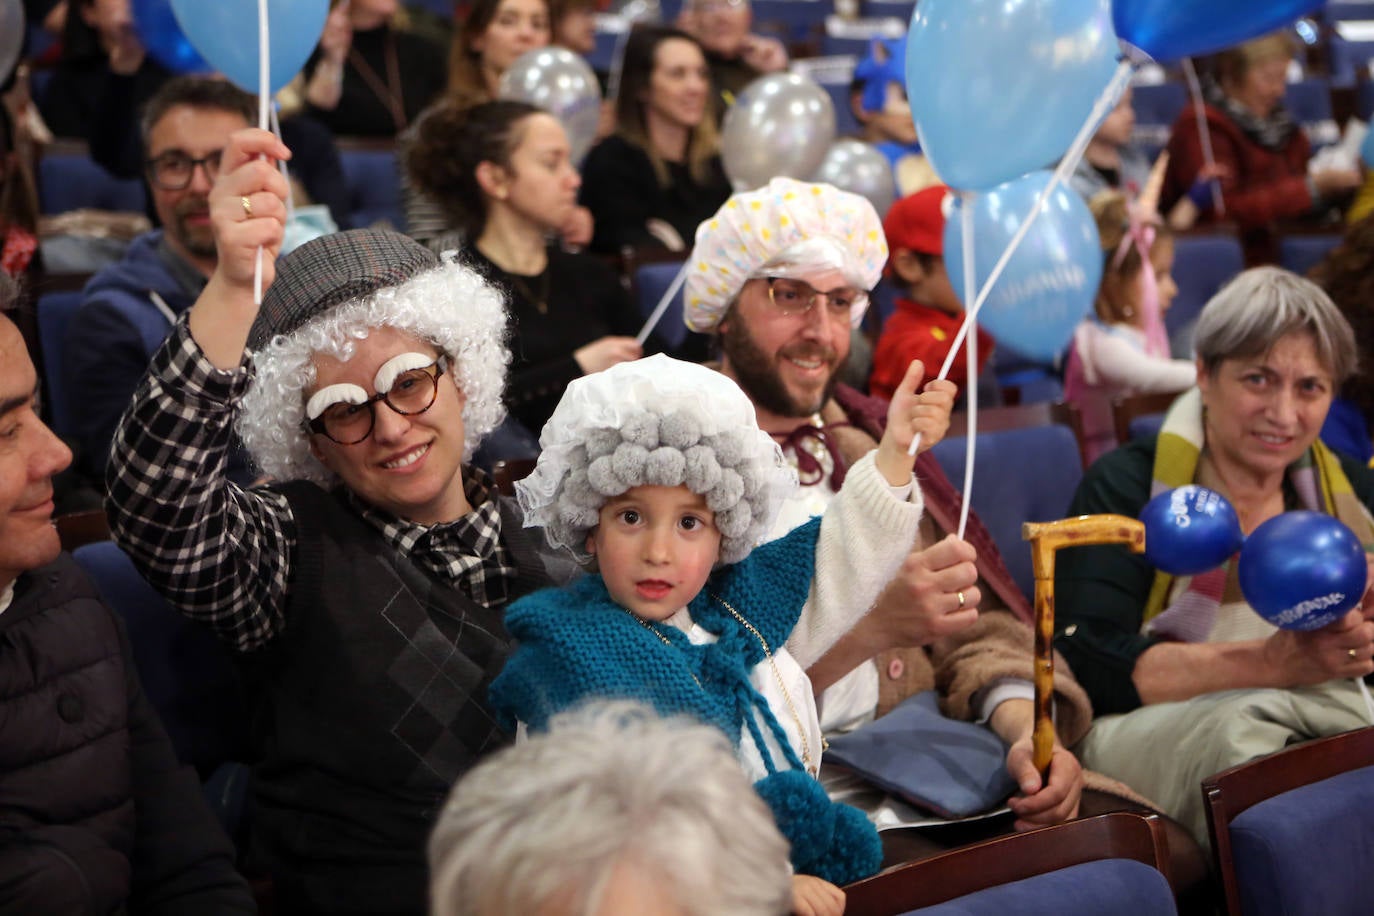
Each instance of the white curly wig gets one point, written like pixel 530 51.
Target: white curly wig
pixel 450 306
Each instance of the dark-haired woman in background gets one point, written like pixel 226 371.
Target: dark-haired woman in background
pixel 486 40
pixel 659 175
pixel 501 172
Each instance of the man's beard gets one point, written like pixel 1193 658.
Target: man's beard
pixel 201 244
pixel 757 372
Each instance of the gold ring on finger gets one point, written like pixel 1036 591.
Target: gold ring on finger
pixel 247 206
pixel 1352 653
pixel 960 596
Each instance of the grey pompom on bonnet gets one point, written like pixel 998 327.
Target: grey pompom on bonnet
pixel 656 422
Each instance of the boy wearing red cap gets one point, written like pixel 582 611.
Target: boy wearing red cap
pixel 929 313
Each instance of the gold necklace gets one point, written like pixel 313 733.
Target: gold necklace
pixel 777 676
pixel 540 299
pixel 654 630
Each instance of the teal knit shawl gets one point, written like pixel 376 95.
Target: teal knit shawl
pixel 576 644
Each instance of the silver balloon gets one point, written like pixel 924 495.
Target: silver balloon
pixel 780 125
pixel 852 165
pixel 561 83
pixel 11 36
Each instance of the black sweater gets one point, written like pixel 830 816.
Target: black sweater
pixel 583 301
pixel 620 188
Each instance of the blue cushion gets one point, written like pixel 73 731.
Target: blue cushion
pixel 1104 886
pixel 1146 427
pixel 947 766
pixel 55 312
pixel 1308 850
pixel 1202 265
pixel 1300 253
pixel 1004 462
pixel 186 672
pixel 374 187
pixel 651 282
pixel 70 181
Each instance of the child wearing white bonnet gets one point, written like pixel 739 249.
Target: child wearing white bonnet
pixel 655 472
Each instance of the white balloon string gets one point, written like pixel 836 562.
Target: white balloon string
pixel 1204 132
pixel 970 384
pixel 1066 166
pixel 662 306
pixel 264 98
pixel 281 167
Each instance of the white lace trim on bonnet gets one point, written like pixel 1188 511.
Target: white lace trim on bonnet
pixel 651 411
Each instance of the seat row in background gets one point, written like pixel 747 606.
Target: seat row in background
pixel 68 179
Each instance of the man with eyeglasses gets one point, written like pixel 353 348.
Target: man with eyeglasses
pixel 130 306
pixel 363 590
pixel 781 274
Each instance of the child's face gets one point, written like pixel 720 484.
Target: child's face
pixel 655 547
pixel 893 121
pixel 937 291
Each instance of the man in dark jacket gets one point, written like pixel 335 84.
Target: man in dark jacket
pixel 130 306
pixel 96 815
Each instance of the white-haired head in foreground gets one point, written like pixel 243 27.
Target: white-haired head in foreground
pixel 613 810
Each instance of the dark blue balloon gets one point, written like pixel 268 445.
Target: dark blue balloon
pixel 1190 530
pixel 157 28
pixel 1302 570
pixel 1170 30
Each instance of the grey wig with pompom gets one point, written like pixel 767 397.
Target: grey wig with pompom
pixel 669 450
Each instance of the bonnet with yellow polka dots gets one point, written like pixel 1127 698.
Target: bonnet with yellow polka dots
pixel 786 229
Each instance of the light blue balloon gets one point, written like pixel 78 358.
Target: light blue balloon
pixel 1051 280
pixel 1000 88
pixel 225 32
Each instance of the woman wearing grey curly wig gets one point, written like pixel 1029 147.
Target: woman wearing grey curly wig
pixel 614 810
pixel 366 582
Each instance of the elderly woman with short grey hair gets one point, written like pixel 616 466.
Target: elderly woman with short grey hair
pixel 1185 677
pixel 612 810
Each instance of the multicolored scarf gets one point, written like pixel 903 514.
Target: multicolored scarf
pixel 1316 478
pixel 1271 132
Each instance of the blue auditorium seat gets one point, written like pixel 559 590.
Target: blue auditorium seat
pixel 55 312
pixel 1113 863
pixel 1203 264
pixel 68 179
pixel 1309 102
pixel 1289 831
pixel 1301 252
pixel 374 182
pixel 651 282
pixel 791 20
pixel 887 9
pixel 1019 475
pixel 188 676
pixel 1157 106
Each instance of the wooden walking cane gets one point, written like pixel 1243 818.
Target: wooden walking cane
pixel 1046 538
